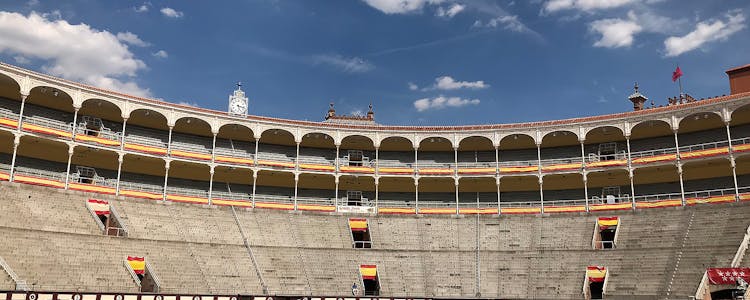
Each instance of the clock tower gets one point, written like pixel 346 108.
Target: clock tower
pixel 238 102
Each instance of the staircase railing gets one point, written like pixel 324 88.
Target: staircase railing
pixel 250 252
pixel 20 284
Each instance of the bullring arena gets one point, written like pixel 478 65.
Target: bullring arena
pixel 107 196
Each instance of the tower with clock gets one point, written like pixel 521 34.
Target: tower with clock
pixel 238 102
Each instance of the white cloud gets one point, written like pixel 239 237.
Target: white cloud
pixel 188 103
pixel 616 33
pixel 400 6
pixel 161 54
pixel 448 83
pixel 76 52
pixel 143 7
pixel 347 64
pixel 441 102
pixel 31 3
pixel 171 12
pixel 413 86
pixel 583 5
pixel 509 22
pixel 131 38
pixel 705 32
pixel 450 12
pixel 21 60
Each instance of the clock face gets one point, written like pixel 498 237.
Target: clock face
pixel 238 107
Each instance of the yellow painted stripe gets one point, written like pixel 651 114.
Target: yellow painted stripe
pixel 139 194
pixel 312 207
pixel 358 223
pixel 274 205
pixel 608 163
pixel 520 210
pixel 91 188
pixel 435 171
pixel 437 211
pixel 397 170
pixel 35 128
pixel 4 176
pixel 476 171
pixel 232 202
pixel 657 204
pixel 357 169
pixel 705 153
pixel 519 169
pixel 396 210
pixel 481 211
pixel 9 123
pixel 709 200
pixel 564 209
pixel 657 158
pixel 608 222
pixel 317 167
pixel 368 271
pixel 617 206
pixel 741 148
pixel 276 163
pixel 98 140
pixel 179 198
pixel 561 167
pixel 191 155
pixel 234 160
pixel 39 181
pixel 141 148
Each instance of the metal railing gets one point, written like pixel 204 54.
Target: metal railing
pixel 361 244
pixel 146 141
pixel 49 123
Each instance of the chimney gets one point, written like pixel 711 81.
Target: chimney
pixel 638 99
pixel 739 79
pixel 370 113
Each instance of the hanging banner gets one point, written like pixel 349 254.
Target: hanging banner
pixel 727 275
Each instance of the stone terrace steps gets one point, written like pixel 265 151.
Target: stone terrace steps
pixel 32 207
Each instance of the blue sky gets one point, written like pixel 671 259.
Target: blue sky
pixel 420 62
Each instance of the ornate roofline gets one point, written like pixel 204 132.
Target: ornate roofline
pixel 629 116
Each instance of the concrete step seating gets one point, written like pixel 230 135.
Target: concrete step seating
pixel 36 208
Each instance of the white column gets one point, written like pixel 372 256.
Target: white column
pixel 213 149
pixel 584 173
pixel 455 160
pixel 296 158
pixel 71 148
pixel 122 134
pixel 119 173
pixel 377 196
pixel 169 142
pixel 416 195
pixel 20 112
pixel 497 183
pixel 630 172
pixel 166 178
pixel 497 160
pixel 211 184
pixel 377 162
pixel 255 157
pixel 679 167
pixel 337 161
pixel 74 129
pixel 733 163
pixel 539 173
pixel 255 179
pixel 416 158
pixel 458 210
pixel 296 188
pixel 16 141
pixel 336 192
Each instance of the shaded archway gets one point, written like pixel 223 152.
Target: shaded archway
pixel 396 192
pixel 519 189
pixel 147 127
pixel 48 108
pixel 563 189
pixel 358 187
pixel 605 143
pixel 357 151
pixel 235 141
pixel 611 186
pixel 435 156
pixel 232 183
pixel 701 128
pixel 192 135
pixel 188 179
pixel 651 135
pixel 518 150
pixel 396 152
pixel 273 186
pixel 317 152
pixel 476 152
pixel 94 166
pixel 473 191
pixel 317 189
pixel 277 149
pixel 6 153
pixel 560 152
pixel 143 174
pixel 713 174
pixel 101 119
pixel 41 158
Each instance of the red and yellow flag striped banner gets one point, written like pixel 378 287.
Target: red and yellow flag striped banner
pixel 358 224
pixel 100 207
pixel 138 264
pixel 606 222
pixel 368 271
pixel 596 273
pixel 8 123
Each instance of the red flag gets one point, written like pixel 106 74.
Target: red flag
pixel 676 74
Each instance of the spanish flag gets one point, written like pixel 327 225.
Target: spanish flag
pixel 607 222
pixel 596 273
pixel 100 207
pixel 358 224
pixel 368 271
pixel 138 264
